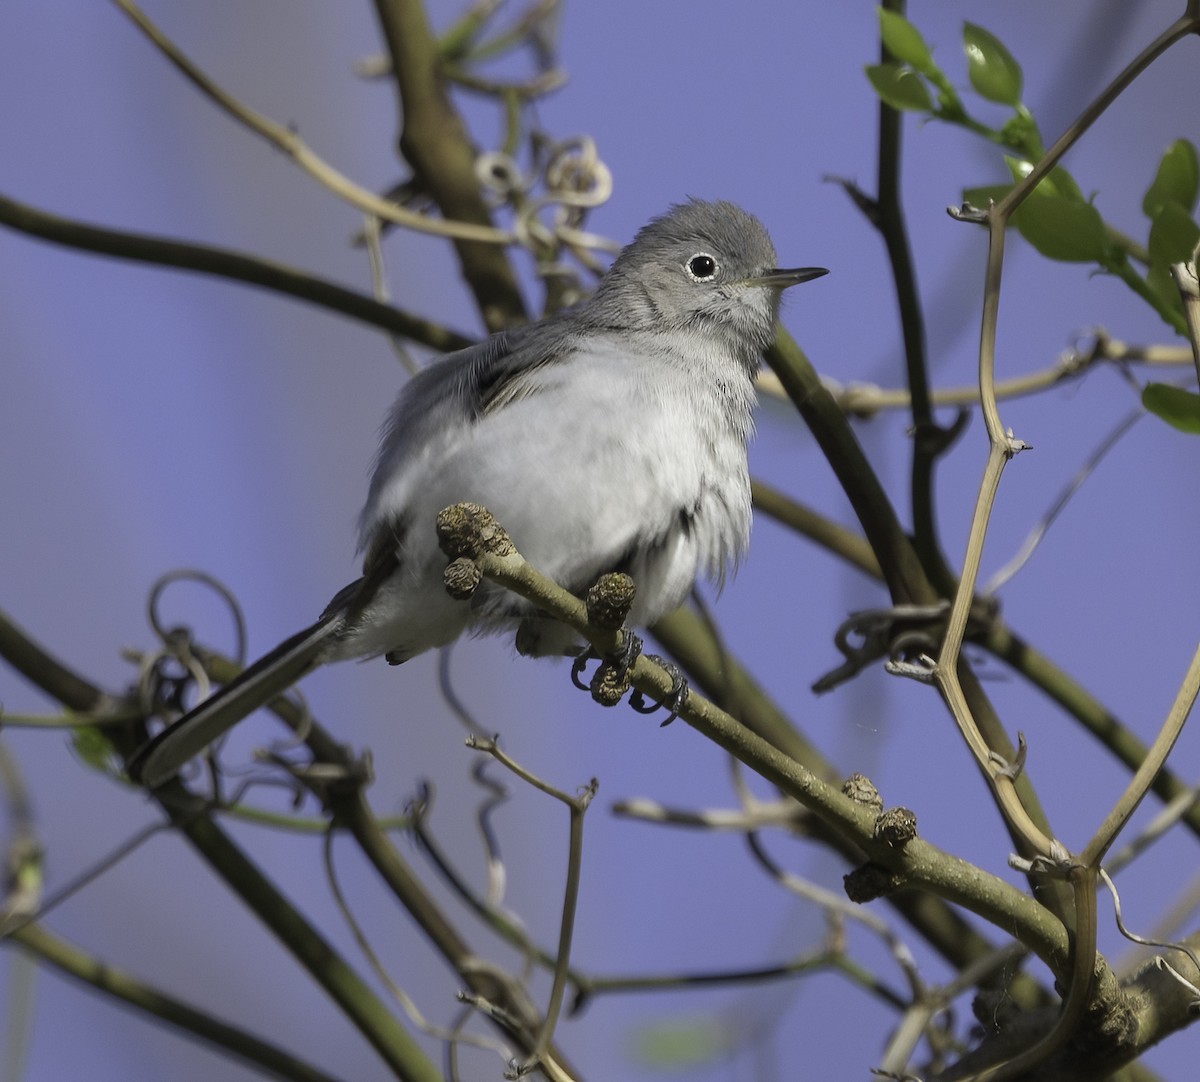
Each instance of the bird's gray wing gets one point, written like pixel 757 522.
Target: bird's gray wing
pixel 457 390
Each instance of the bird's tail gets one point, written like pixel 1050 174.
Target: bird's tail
pixel 271 675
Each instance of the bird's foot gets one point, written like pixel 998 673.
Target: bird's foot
pixel 617 663
pixel 611 680
pixel 676 697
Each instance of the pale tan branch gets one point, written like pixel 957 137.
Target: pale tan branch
pixel 293 147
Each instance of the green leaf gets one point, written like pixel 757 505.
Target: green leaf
pixel 1057 182
pixel 1061 228
pixel 900 87
pixel 675 1045
pixel 1062 225
pixel 993 72
pixel 1177 180
pixel 1179 408
pixel 904 42
pixel 1173 235
pixel 1162 285
pixel 93 748
pixel 1020 133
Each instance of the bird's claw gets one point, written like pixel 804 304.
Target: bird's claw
pixel 621 661
pixel 630 650
pixel 675 698
pixel 578 665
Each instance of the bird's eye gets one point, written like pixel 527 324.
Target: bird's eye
pixel 701 267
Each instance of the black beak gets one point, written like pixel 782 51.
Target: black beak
pixel 780 278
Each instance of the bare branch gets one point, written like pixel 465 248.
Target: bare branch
pixel 292 146
pixel 222 263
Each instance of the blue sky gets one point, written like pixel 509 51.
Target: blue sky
pixel 151 420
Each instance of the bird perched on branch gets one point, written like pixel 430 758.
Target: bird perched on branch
pixel 610 436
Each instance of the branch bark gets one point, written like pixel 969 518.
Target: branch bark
pixel 434 142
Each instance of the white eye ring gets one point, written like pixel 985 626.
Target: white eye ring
pixel 702 267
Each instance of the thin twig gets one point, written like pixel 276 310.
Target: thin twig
pixel 1179 914
pixel 89 875
pixel 371 235
pixel 1113 734
pixel 1168 816
pixel 844 909
pixel 935 1000
pixel 515 1014
pixel 1142 940
pixel 504 923
pixel 339 779
pixel 1002 445
pixel 1035 536
pixel 293 147
pixel 395 1045
pixel 867 399
pixel 406 1002
pixel 724 978
pixel 1139 784
pixel 783 813
pixel 577 805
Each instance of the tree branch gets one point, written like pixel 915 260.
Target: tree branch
pixel 222 263
pixel 434 142
pixel 123 986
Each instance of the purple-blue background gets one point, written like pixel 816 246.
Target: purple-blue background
pixel 150 420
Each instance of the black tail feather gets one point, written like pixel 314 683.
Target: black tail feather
pixel 271 675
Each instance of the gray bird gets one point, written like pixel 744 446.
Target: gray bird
pixel 610 436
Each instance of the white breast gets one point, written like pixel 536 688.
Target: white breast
pixel 620 456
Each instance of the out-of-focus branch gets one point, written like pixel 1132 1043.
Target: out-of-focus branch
pixel 577 806
pixel 194 819
pixel 337 778
pixel 902 570
pixel 222 263
pixel 930 440
pixel 113 981
pixel 45 671
pixel 394 1044
pixel 433 140
pixel 828 534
